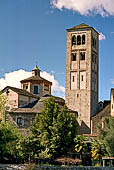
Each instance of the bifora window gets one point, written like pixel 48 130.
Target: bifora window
pixel 78 40
pixel 82 55
pixel 35 89
pixel 73 56
pixel 73 40
pixel 83 39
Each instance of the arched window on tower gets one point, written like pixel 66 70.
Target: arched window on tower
pixel 73 40
pixel 83 39
pixel 78 40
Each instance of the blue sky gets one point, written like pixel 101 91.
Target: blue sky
pixel 35 31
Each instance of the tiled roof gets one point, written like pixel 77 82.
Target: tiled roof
pixel 35 78
pixel 81 26
pixel 38 106
pixel 19 91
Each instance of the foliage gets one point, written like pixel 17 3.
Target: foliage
pixel 3 102
pixel 55 128
pixel 98 149
pixel 107 135
pixel 81 144
pixel 28 147
pixel 9 136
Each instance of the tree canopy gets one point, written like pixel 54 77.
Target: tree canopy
pixel 107 135
pixel 55 128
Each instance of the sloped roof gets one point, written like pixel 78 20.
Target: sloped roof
pixel 37 106
pixel 105 112
pixel 20 91
pixel 81 26
pixel 35 78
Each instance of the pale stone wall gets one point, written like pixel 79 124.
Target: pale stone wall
pixel 27 119
pixel 12 99
pixel 83 99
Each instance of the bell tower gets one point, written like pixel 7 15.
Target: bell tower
pixel 82 68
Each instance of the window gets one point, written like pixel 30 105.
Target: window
pixel 83 39
pixel 82 78
pixel 25 86
pixel 78 40
pixel 46 87
pixel 19 121
pixel 36 73
pixel 35 89
pixel 73 78
pixel 74 40
pixel 73 56
pixel 82 56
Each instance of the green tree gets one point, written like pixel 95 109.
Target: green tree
pixel 107 135
pixel 81 144
pixel 9 136
pixel 28 148
pixel 55 128
pixel 98 150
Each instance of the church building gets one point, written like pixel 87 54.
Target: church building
pixel 82 70
pixel 82 86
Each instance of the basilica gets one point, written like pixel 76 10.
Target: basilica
pixel 82 86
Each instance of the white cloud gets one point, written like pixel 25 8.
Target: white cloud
pixel 86 7
pixel 102 36
pixel 13 79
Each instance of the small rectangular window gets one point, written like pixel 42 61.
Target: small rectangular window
pixel 19 121
pixel 25 86
pixel 82 78
pixel 73 78
pixel 46 87
pixel 73 56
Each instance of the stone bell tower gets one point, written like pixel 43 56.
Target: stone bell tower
pixel 82 69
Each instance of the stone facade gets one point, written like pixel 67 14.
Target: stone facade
pixel 98 119
pixel 82 73
pixel 17 97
